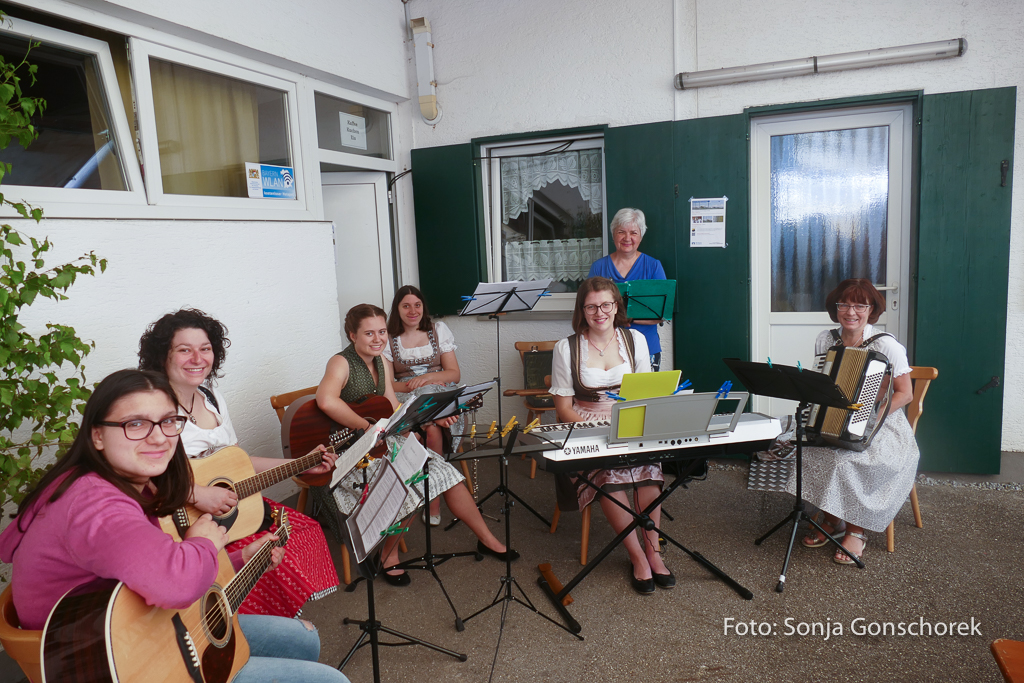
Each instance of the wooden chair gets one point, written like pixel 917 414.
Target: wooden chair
pixel 536 359
pixel 20 644
pixel 921 377
pixel 1009 655
pixel 584 530
pixel 280 404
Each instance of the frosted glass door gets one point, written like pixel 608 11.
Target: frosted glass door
pixel 830 200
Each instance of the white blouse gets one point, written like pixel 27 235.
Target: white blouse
pixel 893 350
pixel 199 442
pixel 445 342
pixel 561 373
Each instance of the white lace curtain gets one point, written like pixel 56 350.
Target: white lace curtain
pixel 522 176
pixel 562 260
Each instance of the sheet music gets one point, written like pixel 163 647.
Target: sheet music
pixel 377 512
pixel 410 459
pixel 348 460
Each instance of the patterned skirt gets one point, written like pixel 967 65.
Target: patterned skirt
pixel 865 488
pixel 306 573
pixel 442 476
pixel 640 475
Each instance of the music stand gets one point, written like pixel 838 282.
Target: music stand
pixel 494 299
pixel 421 410
pixel 369 568
pixel 648 299
pixel 806 387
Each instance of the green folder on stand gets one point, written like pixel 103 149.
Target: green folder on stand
pixel 648 299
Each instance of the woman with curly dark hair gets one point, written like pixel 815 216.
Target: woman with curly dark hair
pixel 189 347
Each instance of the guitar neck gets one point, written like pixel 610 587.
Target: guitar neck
pixel 257 483
pixel 238 588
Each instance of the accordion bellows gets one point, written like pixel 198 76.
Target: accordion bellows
pixel 861 374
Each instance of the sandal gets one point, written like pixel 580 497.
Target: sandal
pixel 842 558
pixel 816 540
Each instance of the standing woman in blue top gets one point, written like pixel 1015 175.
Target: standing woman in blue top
pixel 627 263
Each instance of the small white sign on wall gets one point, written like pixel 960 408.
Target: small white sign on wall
pixel 353 131
pixel 707 222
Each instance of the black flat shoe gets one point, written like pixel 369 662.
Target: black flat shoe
pixel 402 579
pixel 664 580
pixel 641 586
pixel 510 555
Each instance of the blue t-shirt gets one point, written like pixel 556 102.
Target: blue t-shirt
pixel 644 268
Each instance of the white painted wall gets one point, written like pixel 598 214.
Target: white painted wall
pixel 533 65
pixel 357 42
pixel 272 284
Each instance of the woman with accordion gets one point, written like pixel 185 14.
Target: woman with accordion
pixel 860 490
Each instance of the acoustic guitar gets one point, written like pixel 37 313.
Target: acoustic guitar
pixel 310 426
pixel 232 468
pixel 112 635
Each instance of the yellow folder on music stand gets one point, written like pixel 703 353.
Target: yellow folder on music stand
pixel 638 386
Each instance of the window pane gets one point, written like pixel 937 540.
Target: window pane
pixel 551 209
pixel 76 146
pixel 829 207
pixel 209 126
pixel 343 126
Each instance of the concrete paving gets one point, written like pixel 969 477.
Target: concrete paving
pixel 962 566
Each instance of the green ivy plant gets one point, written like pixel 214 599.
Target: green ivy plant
pixel 38 398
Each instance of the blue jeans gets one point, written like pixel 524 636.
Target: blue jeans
pixel 283 651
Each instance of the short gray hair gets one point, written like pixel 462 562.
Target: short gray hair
pixel 629 217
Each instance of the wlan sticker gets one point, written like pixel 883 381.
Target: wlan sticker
pixel 270 182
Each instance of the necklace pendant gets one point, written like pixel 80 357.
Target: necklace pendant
pixel 600 353
pixel 192 419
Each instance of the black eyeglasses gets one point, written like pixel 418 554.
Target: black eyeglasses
pixel 139 429
pixel 606 307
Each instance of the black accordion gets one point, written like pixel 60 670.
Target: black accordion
pixel 861 374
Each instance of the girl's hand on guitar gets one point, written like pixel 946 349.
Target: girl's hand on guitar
pixel 276 555
pixel 205 527
pixel 327 465
pixel 215 500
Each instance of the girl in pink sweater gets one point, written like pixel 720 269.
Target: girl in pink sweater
pixel 92 518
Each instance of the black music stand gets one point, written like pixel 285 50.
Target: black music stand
pixel 505 596
pixel 806 387
pixel 495 299
pixel 369 569
pixel 421 410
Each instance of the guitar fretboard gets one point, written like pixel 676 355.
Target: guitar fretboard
pixel 238 588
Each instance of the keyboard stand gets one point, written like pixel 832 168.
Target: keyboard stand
pixel 640 519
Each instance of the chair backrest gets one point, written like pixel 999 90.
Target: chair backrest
pixel 921 377
pixel 536 358
pixel 21 645
pixel 281 402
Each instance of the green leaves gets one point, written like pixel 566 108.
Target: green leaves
pixel 42 383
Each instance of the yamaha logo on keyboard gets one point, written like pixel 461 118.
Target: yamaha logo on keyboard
pixel 582 450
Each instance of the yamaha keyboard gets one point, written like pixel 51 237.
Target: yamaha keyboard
pixel 587 446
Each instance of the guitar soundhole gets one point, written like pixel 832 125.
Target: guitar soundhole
pixel 216 617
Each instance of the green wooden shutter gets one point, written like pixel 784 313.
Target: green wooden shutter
pixel 963 274
pixel 638 175
pixel 711 160
pixel 449 240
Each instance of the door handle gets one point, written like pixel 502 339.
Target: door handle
pixel 888 288
pixel 993 383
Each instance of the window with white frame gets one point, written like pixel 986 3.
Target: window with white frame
pixel 201 121
pixel 546 209
pixel 84 143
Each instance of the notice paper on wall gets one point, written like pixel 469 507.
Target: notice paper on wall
pixel 264 181
pixel 707 222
